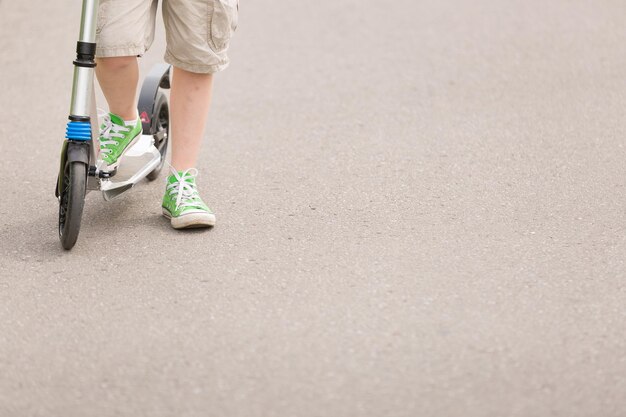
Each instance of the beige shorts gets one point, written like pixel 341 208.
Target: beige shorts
pixel 197 31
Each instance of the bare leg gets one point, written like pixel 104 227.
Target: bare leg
pixel 190 100
pixel 118 79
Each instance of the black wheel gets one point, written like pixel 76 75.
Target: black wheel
pixel 161 126
pixel 71 202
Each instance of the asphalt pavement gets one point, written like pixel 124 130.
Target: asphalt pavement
pixel 420 212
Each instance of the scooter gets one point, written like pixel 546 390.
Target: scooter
pixel 80 168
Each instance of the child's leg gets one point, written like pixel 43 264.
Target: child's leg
pixel 198 33
pixel 118 79
pixel 189 104
pixel 125 30
pixel 190 99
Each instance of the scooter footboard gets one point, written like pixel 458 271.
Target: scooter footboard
pixel 141 159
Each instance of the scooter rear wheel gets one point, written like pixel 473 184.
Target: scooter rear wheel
pixel 161 120
pixel 71 202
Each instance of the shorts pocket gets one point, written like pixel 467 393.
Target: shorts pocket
pixel 222 23
pixel 103 10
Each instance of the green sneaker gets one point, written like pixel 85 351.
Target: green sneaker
pixel 115 138
pixel 182 204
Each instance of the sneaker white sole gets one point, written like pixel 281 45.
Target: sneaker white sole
pixel 191 220
pixel 114 165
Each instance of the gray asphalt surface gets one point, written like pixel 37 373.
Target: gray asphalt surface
pixel 421 212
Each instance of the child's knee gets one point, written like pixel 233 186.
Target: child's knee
pixel 116 63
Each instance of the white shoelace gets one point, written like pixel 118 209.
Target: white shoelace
pixel 186 193
pixel 110 131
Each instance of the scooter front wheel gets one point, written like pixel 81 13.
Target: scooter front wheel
pixel 71 202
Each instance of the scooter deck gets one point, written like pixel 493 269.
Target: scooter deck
pixel 138 161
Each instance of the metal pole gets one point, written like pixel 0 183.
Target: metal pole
pixel 82 86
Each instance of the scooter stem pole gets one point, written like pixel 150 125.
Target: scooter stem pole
pixel 82 86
